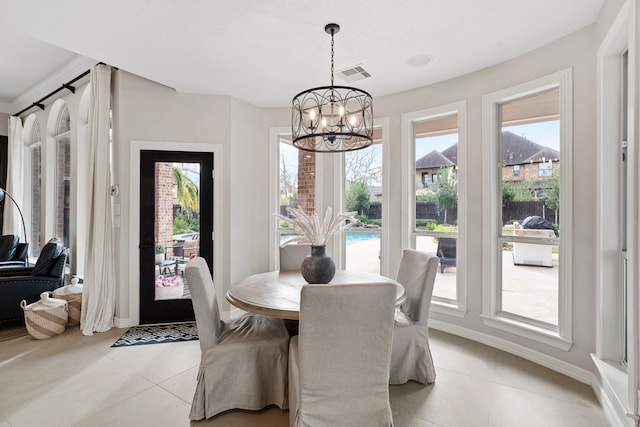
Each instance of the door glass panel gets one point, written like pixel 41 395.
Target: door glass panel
pixel 177 226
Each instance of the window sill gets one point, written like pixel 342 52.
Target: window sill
pixel 526 330
pixel 450 309
pixel 614 380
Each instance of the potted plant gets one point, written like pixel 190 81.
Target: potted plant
pixel 317 267
pixel 160 253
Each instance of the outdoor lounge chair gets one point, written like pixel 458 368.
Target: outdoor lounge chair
pixel 446 252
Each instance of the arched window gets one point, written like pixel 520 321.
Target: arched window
pixel 33 141
pixel 62 136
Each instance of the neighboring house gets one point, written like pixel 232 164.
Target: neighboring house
pixel 523 160
pixel 526 160
pixel 429 167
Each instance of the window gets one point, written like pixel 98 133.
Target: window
pixel 425 179
pixel 616 357
pixel 34 144
pixel 545 168
pixel 516 170
pixel 435 145
pixel 363 194
pixel 289 171
pixel 62 137
pixel 527 284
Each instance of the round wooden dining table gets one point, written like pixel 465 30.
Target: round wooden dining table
pixel 277 293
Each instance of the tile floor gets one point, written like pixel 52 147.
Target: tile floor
pixel 72 380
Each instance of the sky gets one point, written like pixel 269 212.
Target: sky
pixel 543 133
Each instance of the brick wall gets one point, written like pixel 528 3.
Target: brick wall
pixel 528 171
pixel 163 227
pixel 306 180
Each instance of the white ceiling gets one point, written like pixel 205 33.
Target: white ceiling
pixel 266 51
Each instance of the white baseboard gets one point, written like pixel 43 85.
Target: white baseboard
pixel 612 410
pixel 122 322
pixel 609 407
pixel 547 361
pixel 610 385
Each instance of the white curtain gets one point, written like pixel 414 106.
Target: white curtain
pixel 98 296
pixel 12 223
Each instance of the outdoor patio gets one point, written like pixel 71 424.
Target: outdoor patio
pixel 529 291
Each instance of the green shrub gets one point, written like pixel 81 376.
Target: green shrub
pixel 362 218
pixel 429 224
pixel 160 249
pixel 185 223
pixel 445 228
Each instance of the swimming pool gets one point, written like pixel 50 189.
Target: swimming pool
pixel 351 237
pixel 360 237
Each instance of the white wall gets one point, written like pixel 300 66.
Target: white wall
pixel 146 111
pixel 576 51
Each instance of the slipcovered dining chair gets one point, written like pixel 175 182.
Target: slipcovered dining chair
pixel 411 356
pixel 244 361
pixel 339 362
pixel 291 256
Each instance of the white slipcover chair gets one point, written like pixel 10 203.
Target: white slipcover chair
pixel 291 256
pixel 411 356
pixel 339 363
pixel 244 361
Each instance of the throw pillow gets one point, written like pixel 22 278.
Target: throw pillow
pixel 8 243
pixel 47 258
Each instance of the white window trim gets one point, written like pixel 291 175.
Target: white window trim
pixel 30 123
pixel 619 383
pixel 459 308
pixel 274 197
pixel 339 197
pixel 491 316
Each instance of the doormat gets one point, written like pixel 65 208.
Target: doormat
pixel 156 334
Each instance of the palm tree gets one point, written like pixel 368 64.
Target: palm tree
pixel 187 191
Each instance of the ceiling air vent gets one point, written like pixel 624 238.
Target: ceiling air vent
pixel 353 74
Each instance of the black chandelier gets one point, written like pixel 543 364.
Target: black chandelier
pixel 332 118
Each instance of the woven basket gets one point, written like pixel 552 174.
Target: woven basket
pixel 73 295
pixel 45 318
pixel 74 307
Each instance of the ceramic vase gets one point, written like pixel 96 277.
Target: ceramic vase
pixel 318 267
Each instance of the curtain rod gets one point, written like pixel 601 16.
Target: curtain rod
pixel 67 85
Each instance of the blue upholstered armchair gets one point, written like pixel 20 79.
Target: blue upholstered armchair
pixel 27 283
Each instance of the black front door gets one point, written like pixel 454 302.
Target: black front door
pixel 176 224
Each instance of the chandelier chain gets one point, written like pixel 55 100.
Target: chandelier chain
pixel 332 58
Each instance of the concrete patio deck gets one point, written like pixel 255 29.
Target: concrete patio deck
pixel 528 291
